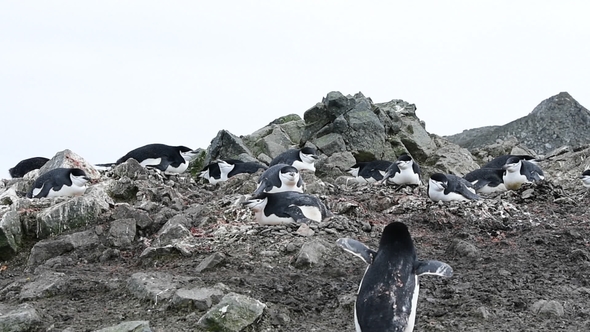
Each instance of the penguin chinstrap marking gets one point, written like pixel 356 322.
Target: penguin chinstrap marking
pixel 388 292
pixel 449 187
pixel 166 158
pixel 486 180
pixel 404 171
pixel 25 166
pixel 59 182
pixel 279 178
pixel 369 171
pixel 222 170
pixel 303 159
pixel 585 177
pixel 518 171
pixel 288 207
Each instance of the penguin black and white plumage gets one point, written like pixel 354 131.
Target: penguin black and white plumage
pixel 388 292
pixel 287 207
pixel 166 158
pixel 279 178
pixel 500 161
pixel 222 170
pixel 518 171
pixel 449 187
pixel 404 171
pixel 369 171
pixel 59 182
pixel 303 159
pixel 486 180
pixel 585 177
pixel 27 165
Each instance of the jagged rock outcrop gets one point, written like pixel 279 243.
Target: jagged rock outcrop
pixel 557 121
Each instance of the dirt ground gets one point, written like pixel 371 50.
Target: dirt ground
pixel 507 252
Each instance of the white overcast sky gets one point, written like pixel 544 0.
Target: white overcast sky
pixel 104 77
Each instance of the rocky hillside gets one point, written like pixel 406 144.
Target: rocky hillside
pixel 141 251
pixel 557 121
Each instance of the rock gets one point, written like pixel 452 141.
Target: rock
pixel 550 308
pixel 46 249
pixel 11 234
pixel 122 233
pixel 463 248
pixel 130 169
pixel 448 158
pixel 196 298
pixel 125 211
pixel 69 159
pixel 155 287
pixel 210 262
pixel 45 285
pixel 131 326
pixel 225 146
pixel 71 213
pixel 23 318
pixel 175 230
pixel 557 121
pixel 232 314
pixel 304 230
pixel 310 254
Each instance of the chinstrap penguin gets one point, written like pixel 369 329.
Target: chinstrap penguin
pixel 585 177
pixel 404 171
pixel 279 178
pixel 27 165
pixel 369 171
pixel 59 182
pixel 518 171
pixel 388 292
pixel 302 159
pixel 222 170
pixel 287 207
pixel 486 180
pixel 166 158
pixel 449 187
pixel 500 161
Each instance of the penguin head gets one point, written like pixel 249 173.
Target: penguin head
pixel 354 169
pixel 404 161
pixel 187 153
pixel 512 164
pixel 308 155
pixel 78 177
pixel 397 235
pixel 224 166
pixel 289 175
pixel 438 181
pixel 256 204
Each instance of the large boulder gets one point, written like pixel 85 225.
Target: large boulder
pixel 69 159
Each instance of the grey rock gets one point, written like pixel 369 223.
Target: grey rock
pixel 196 298
pixel 130 169
pixel 310 254
pixel 210 262
pixel 464 248
pixel 448 158
pixel 125 211
pixel 154 287
pixel 131 326
pixel 44 285
pixel 550 308
pixel 69 159
pixel 225 146
pixel 23 318
pixel 122 233
pixel 46 249
pixel 304 230
pixel 232 314
pixel 11 234
pixel 557 121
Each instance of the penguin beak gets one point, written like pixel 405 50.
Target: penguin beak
pixel 314 157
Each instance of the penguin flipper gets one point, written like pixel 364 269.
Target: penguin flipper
pixel 358 249
pixel 433 267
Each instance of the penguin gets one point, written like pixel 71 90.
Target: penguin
pixel 388 292
pixel 486 180
pixel 279 178
pixel 500 161
pixel 369 171
pixel 27 165
pixel 287 207
pixel 449 187
pixel 404 171
pixel 518 171
pixel 222 170
pixel 586 178
pixel 59 182
pixel 166 158
pixel 303 159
